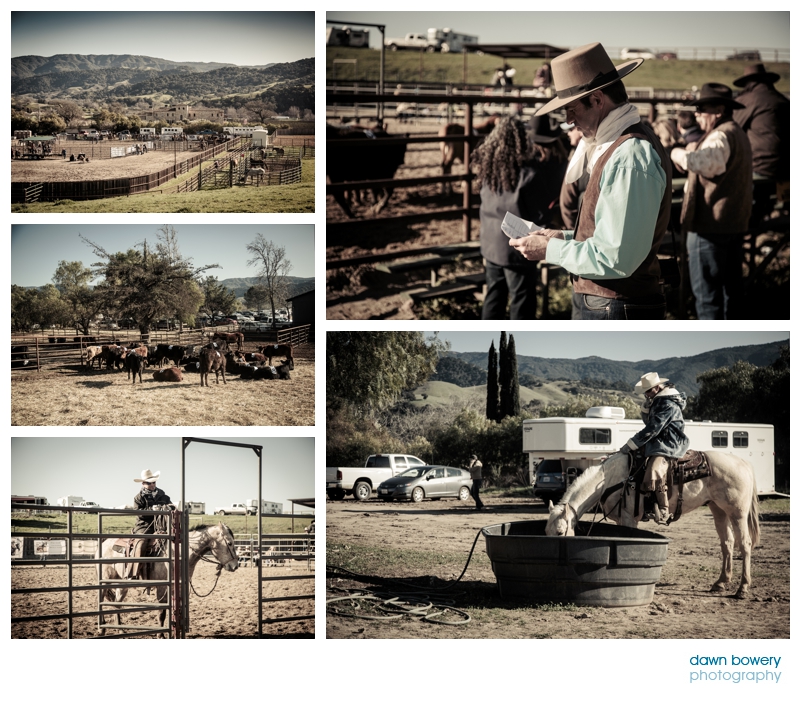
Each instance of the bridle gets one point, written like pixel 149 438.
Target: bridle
pixel 220 565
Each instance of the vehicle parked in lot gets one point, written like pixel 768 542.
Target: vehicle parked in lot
pixel 667 56
pixel 420 482
pixel 108 324
pixel 629 54
pixel 745 56
pixel 165 325
pixel 88 504
pixel 257 327
pixel 360 482
pixel 549 480
pixel 236 508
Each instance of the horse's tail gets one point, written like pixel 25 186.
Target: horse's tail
pixel 753 515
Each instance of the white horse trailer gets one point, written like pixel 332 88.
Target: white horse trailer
pixel 580 442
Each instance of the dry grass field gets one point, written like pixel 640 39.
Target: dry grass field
pixel 76 396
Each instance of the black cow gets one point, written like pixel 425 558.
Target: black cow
pixel 364 160
pixel 169 352
pixel 134 363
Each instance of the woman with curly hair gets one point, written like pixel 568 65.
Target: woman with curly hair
pixel 522 174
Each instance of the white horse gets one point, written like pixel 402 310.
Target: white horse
pixel 217 540
pixel 255 173
pixel 729 490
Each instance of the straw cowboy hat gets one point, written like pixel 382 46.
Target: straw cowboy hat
pixel 581 71
pixel 148 476
pixel 648 381
pixel 757 74
pixel 717 94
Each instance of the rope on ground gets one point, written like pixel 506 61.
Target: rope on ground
pixel 424 603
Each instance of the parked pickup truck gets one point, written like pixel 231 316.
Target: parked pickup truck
pixel 411 41
pixel 360 482
pixel 236 508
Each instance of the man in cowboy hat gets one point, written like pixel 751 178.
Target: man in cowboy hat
pixel 717 204
pixel 765 118
pixel 149 497
pixel 663 437
pixel 611 254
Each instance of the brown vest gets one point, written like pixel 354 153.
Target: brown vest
pixel 721 205
pixel 644 282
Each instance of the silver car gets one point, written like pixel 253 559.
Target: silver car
pixel 434 482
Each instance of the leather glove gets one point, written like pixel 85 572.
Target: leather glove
pixel 625 449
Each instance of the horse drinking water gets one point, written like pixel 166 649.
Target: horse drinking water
pixel 730 491
pixel 217 540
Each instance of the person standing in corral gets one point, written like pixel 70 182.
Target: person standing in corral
pixel 475 466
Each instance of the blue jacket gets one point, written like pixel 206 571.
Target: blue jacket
pixel 663 434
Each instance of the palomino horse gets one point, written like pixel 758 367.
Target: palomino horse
pixel 218 540
pixel 729 490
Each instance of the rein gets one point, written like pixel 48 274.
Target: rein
pixel 216 580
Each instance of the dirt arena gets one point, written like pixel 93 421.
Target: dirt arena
pixel 434 538
pixel 60 170
pixel 230 611
pixel 78 396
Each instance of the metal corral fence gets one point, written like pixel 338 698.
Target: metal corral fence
pixel 70 548
pixel 34 352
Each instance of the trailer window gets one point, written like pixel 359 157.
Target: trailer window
pixel 592 435
pixel 740 439
pixel 720 439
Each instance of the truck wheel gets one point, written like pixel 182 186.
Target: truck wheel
pixel 418 494
pixel 464 493
pixel 431 49
pixel 393 47
pixel 222 512
pixel 362 491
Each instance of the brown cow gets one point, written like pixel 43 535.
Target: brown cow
pixel 277 350
pixel 250 357
pixel 212 358
pixel 454 150
pixel 172 374
pixel 234 337
pixel 90 353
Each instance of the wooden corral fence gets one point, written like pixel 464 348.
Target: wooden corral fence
pixel 68 548
pixel 440 257
pixel 33 352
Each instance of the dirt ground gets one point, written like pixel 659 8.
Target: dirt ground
pixel 361 292
pixel 230 611
pixel 433 539
pixel 78 396
pixel 58 170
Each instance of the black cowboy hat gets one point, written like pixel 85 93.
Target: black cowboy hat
pixel 717 94
pixel 756 74
pixel 540 130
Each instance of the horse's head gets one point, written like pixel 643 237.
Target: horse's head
pixel 561 520
pixel 223 547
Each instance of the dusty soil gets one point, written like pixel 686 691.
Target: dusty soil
pixel 361 292
pixel 430 542
pixel 58 170
pixel 78 396
pixel 230 611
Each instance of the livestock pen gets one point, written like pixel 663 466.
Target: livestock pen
pixel 421 257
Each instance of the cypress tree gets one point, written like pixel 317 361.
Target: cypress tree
pixel 493 396
pixel 503 378
pixel 514 384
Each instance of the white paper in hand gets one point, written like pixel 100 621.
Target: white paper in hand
pixel 514 227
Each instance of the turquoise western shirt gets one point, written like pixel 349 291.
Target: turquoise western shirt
pixel 632 186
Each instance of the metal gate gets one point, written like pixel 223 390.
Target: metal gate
pixel 69 555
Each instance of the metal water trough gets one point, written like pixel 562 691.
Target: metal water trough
pixel 613 567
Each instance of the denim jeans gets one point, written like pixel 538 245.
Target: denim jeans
pixel 474 492
pixel 519 284
pixel 594 307
pixel 716 274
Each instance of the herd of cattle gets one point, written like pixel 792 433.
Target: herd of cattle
pixel 215 357
pixel 218 357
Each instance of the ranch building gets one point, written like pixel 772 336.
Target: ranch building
pixel 186 113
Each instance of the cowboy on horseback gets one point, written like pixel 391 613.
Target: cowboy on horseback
pixel 663 437
pixel 149 498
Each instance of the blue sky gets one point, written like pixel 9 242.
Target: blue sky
pixel 617 345
pixel 241 38
pixel 102 470
pixel 36 249
pixel 654 30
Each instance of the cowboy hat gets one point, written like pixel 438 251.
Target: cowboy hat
pixel 717 94
pixel 756 74
pixel 148 476
pixel 648 381
pixel 582 71
pixel 540 131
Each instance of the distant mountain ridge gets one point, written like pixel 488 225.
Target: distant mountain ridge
pixel 682 371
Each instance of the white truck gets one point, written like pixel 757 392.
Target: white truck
pixel 235 508
pixel 447 40
pixel 560 448
pixel 411 41
pixel 360 482
pixel 69 501
pixel 88 504
pixel 267 507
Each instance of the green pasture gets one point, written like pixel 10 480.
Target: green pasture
pixel 82 523
pixel 411 66
pixel 295 198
